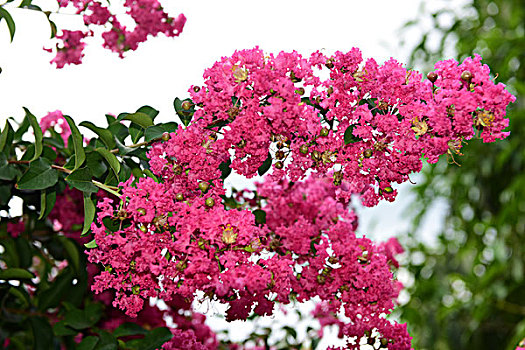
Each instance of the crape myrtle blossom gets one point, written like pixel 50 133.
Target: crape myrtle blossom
pixel 148 16
pixel 360 131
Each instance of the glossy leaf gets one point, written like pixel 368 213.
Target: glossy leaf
pixel 89 213
pixel 265 166
pixel 38 133
pixel 39 176
pixel 4 14
pixel 15 274
pixel 81 179
pixel 78 143
pixel 104 134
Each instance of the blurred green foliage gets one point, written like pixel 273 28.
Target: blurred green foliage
pixel 469 290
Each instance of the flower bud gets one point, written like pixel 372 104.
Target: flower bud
pixel 165 136
pixel 279 165
pixel 321 279
pixel 330 91
pixel 388 189
pixel 203 186
pixel 324 132
pixel 368 153
pixel 143 228
pixel 177 169
pixel 135 290
pixel 196 89
pixel 241 144
pixel 300 91
pixel 329 64
pixel 179 197
pixel 303 149
pixel 316 155
pixel 186 105
pixel 210 202
pixel 432 76
pixel 141 211
pixel 467 76
pixel 279 154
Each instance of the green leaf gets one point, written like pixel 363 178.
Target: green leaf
pixel 47 202
pixel 89 214
pixel 88 343
pixel 22 128
pixel 91 244
pixel 95 163
pixel 184 115
pixel 82 319
pixel 225 168
pixel 39 176
pixel 6 137
pixel 61 330
pixel 15 274
pixel 72 251
pixel 150 111
pixel 153 340
pixel 139 118
pixel 9 20
pixel 81 179
pixel 78 143
pixel 136 132
pixel 349 136
pixel 127 329
pixel 42 333
pixel 110 158
pixel 265 166
pixel 38 133
pixel 5 193
pixel 260 216
pixel 107 341
pixel 156 131
pixel 104 134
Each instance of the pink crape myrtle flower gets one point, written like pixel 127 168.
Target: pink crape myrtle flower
pixel 359 132
pixel 149 17
pixel 54 119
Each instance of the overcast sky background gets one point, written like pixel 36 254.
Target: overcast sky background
pixel 163 68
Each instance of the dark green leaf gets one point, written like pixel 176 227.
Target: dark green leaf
pixel 225 168
pixel 38 133
pixel 72 251
pixel 139 118
pixel 107 341
pixel 42 333
pixel 156 131
pixel 47 202
pixel 24 252
pixel 61 330
pixel 136 132
pixel 39 176
pixel 89 213
pixel 22 128
pixel 104 134
pixel 15 274
pixel 5 193
pixel 349 136
pixel 6 137
pixel 9 20
pixel 110 158
pixel 78 143
pixel 81 179
pixel 266 165
pixel 95 163
pixel 152 112
pixel 260 216
pixel 81 319
pixel 88 343
pixel 127 329
pixel 153 340
pixel 184 115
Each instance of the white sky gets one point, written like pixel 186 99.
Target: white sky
pixel 163 68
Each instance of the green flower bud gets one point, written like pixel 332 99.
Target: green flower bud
pixel 203 186
pixel 210 202
pixel 324 132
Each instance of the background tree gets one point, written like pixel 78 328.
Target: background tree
pixel 470 287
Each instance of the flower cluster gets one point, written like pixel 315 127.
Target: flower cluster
pixel 364 128
pixel 148 15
